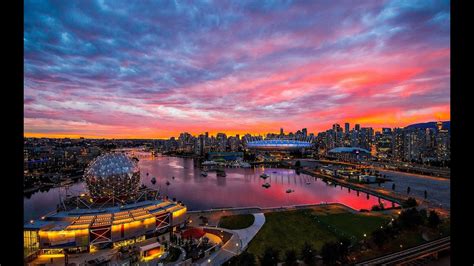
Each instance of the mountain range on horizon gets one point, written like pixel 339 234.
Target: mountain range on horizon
pixel 446 124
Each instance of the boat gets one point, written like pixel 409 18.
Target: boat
pixel 204 173
pixel 147 174
pixel 264 176
pixel 308 183
pixel 290 190
pixel 266 185
pixel 172 177
pixel 168 183
pixel 153 180
pixel 221 173
pixel 245 165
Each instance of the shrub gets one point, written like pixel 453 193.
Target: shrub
pixel 290 258
pixel 410 202
pixel 270 257
pixel 309 254
pixel 433 219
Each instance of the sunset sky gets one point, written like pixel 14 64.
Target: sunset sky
pixel 152 69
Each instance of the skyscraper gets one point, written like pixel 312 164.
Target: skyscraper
pixel 357 127
pixel 346 128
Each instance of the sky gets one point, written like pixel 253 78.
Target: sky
pixel 153 69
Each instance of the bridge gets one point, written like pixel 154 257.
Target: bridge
pixel 412 255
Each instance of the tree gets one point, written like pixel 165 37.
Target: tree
pixel 298 164
pixel 433 219
pixel 379 237
pixel 329 252
pixel 270 257
pixel 245 258
pixel 344 244
pixel 410 202
pixel 410 218
pixel 290 257
pixel 309 254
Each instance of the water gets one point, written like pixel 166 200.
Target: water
pixel 242 187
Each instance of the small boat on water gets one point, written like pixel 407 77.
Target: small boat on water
pixel 290 190
pixel 308 183
pixel 168 183
pixel 245 165
pixel 266 185
pixel 221 173
pixel 172 177
pixel 153 180
pixel 147 174
pixel 264 176
pixel 204 173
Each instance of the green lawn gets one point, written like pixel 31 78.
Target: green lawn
pixel 236 222
pixel 291 229
pixel 356 225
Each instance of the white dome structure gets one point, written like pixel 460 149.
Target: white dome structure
pixel 112 175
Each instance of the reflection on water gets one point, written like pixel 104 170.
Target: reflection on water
pixel 240 187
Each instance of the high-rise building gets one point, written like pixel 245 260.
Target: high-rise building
pixel 346 128
pixel 397 144
pixel 443 145
pixel 281 132
pixel 221 142
pixel 386 131
pixel 357 127
pixel 305 132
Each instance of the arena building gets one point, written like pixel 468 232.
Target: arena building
pixel 116 212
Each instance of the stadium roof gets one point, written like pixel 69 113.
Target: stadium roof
pixel 283 144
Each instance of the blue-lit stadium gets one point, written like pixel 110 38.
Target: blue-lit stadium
pixel 278 144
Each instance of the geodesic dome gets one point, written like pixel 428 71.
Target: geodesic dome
pixel 112 175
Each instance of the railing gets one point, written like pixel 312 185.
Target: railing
pixel 411 254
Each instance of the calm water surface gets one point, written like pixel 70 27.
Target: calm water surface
pixel 240 188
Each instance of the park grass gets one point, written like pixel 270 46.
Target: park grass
pixel 291 229
pixel 354 225
pixel 235 222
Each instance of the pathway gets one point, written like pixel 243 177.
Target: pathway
pixel 236 244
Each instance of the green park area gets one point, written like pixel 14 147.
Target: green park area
pixel 288 230
pixel 236 222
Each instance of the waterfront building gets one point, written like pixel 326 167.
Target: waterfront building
pixel 349 153
pixel 115 212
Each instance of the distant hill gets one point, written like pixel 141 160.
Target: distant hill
pixel 446 124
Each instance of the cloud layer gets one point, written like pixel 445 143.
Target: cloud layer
pixel 156 68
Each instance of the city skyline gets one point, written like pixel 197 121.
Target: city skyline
pixel 115 70
pixel 243 132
